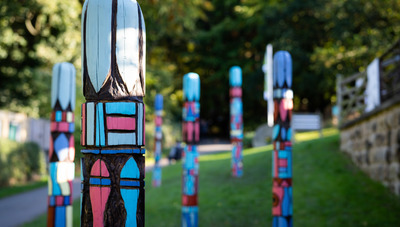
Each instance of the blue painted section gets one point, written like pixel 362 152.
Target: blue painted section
pixel 139 128
pixel 279 70
pixel 90 152
pixel 123 151
pixel 282 69
pixel 285 172
pixel 275 132
pixel 129 183
pixel 237 106
pixel 191 87
pixel 235 76
pixel 58 116
pixel 130 170
pixel 80 205
pixel 190 216
pixel 290 202
pixel 90 123
pixel 289 134
pixel 130 197
pixel 288 72
pixel 71 127
pixel 275 221
pixel 115 138
pixel 282 222
pixel 189 187
pixel 98 181
pixel 60 219
pixel 61 145
pixel 285 202
pixel 67 200
pixel 126 108
pixel 95 181
pixel 66 88
pixel 53 175
pixel 158 103
pixel 283 134
pixel 100 134
pixel 52 200
pixel 105 181
pixel 98 35
pixel 278 93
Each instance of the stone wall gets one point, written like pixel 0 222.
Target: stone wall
pixel 373 143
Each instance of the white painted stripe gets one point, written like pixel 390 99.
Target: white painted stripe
pixel 98 41
pixel 127 43
pixel 90 123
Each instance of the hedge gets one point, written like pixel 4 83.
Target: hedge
pixel 20 162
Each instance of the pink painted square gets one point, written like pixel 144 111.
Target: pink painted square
pixel 59 200
pixel 282 162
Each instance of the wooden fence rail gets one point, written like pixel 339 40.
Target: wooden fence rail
pixel 354 92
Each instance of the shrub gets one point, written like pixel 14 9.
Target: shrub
pixel 20 162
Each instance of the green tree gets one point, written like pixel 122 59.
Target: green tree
pixel 35 35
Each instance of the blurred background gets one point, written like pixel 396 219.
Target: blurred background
pixel 325 38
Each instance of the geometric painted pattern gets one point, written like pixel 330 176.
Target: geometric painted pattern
pixel 113 117
pixel 62 148
pixel 190 157
pixel 112 124
pixel 157 140
pixel 282 209
pixel 236 112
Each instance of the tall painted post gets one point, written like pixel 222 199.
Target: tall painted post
pixel 62 145
pixel 113 117
pixel 235 81
pixel 158 140
pixel 282 208
pixel 191 136
pixel 268 86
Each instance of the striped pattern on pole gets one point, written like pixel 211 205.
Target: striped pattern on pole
pixel 158 140
pixel 62 145
pixel 235 81
pixel 113 117
pixel 282 208
pixel 191 136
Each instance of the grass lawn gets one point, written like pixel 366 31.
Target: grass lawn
pixel 328 190
pixel 16 189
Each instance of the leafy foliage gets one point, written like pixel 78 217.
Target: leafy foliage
pixel 208 37
pixel 20 163
pixel 35 34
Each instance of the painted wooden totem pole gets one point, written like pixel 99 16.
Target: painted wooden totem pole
pixel 62 145
pixel 282 209
pixel 158 140
pixel 191 136
pixel 235 81
pixel 113 117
